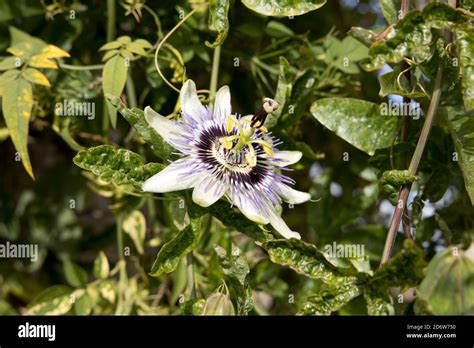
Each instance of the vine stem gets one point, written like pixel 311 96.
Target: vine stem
pixel 415 160
pixel 110 20
pixel 413 168
pixel 214 73
pixel 191 286
pixel 162 42
pixel 81 67
pixel 404 9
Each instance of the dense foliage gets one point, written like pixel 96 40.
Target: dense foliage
pixel 377 95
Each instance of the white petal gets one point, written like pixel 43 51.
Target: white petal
pixel 293 196
pixel 280 226
pixel 222 106
pixel 208 192
pixel 288 157
pixel 251 211
pixel 175 177
pixel 190 105
pixel 166 128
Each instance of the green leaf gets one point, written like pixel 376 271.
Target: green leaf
pixel 307 260
pixel 8 76
pixel 169 255
pixel 283 7
pixel 143 43
pixel 110 54
pixel 35 76
pixel 448 288
pixel 34 44
pixel 395 82
pixel 135 48
pixel 111 46
pixel 101 268
pixel 124 39
pixel 330 300
pixel 236 270
pixel 282 92
pixel 391 181
pixel 136 118
pixel 467 5
pixel 390 10
pixel 114 76
pixel 17 103
pixel 134 224
pixel 461 126
pixel 413 35
pixel 8 63
pixel 362 35
pixel 52 301
pixel 404 270
pixel 218 20
pixel 358 122
pixel 278 29
pixel 345 54
pixel 179 278
pixel 84 303
pixel 75 275
pixel 193 307
pixel 465 44
pixel 378 301
pixel 229 217
pixel 117 166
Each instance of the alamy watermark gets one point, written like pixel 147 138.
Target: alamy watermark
pixel 19 251
pixel 74 108
pixel 351 251
pixel 400 109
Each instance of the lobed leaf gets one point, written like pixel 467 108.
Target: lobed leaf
pixel 330 300
pixel 117 166
pixel 307 260
pixel 218 20
pixel 136 118
pixel 236 270
pixel 171 252
pixel 283 7
pixel 465 44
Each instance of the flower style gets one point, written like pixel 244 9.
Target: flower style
pixel 223 156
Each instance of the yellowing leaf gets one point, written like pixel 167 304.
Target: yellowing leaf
pixel 17 102
pixel 22 49
pixel 52 51
pixel 134 224
pixel 36 76
pixel 41 61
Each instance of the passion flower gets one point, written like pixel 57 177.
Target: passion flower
pixel 223 155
